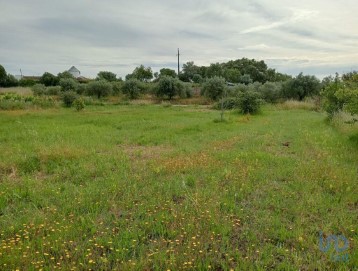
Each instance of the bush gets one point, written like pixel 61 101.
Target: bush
pixel 49 79
pixel 79 104
pixel 271 91
pixel 132 88
pixel 188 91
pixel 39 89
pixel 106 75
pixel 10 81
pixel 81 89
pixel 228 103
pixel 53 90
pixel 27 82
pixel 11 101
pixel 249 102
pixel 68 98
pixel 340 95
pixel 197 78
pixel 100 88
pixel 68 84
pixel 43 102
pixel 301 87
pixel 214 88
pixel 117 87
pixel 170 87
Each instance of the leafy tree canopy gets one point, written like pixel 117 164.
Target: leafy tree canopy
pixel 64 75
pixel 167 72
pixel 2 75
pixel 233 70
pixel 301 86
pixel 169 87
pixel 106 75
pixel 48 79
pixel 141 73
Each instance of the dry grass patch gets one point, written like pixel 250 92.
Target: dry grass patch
pixel 292 104
pixel 18 90
pixel 140 152
pixel 181 164
pixel 223 145
pixel 61 153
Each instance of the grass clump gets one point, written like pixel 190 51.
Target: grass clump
pixel 294 105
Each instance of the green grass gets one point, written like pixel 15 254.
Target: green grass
pixel 151 187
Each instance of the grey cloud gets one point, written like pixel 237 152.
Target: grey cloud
pixel 51 36
pixel 262 11
pixel 95 31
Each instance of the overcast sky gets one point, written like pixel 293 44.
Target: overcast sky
pixel 313 36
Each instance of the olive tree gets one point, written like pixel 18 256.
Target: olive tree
pixel 99 88
pixel 301 87
pixel 214 88
pixel 68 84
pixel 108 76
pixel 132 88
pixel 169 87
pixel 48 79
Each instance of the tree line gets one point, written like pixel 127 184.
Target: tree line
pixel 235 80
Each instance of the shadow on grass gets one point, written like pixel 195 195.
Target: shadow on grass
pixel 354 139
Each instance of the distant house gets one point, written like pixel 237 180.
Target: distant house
pixel 75 72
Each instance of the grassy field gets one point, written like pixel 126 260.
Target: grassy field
pixel 153 187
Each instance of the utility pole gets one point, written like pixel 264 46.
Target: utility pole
pixel 178 61
pixel 21 73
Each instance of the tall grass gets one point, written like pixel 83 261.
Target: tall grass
pixel 17 90
pixel 294 104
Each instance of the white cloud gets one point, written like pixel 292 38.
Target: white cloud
pixel 297 16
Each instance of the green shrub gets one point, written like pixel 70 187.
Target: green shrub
pixel 132 88
pixel 43 102
pixel 39 89
pixel 11 105
pixel 170 87
pixel 117 87
pixel 79 104
pixel 228 103
pixel 214 88
pixel 49 79
pixel 68 98
pixel 100 88
pixel 11 101
pixel 106 75
pixel 271 91
pixel 301 87
pixel 340 95
pixel 68 84
pixel 53 90
pixel 188 91
pixel 197 78
pixel 81 89
pixel 27 82
pixel 249 102
pixel 10 81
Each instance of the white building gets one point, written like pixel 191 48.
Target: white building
pixel 75 72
